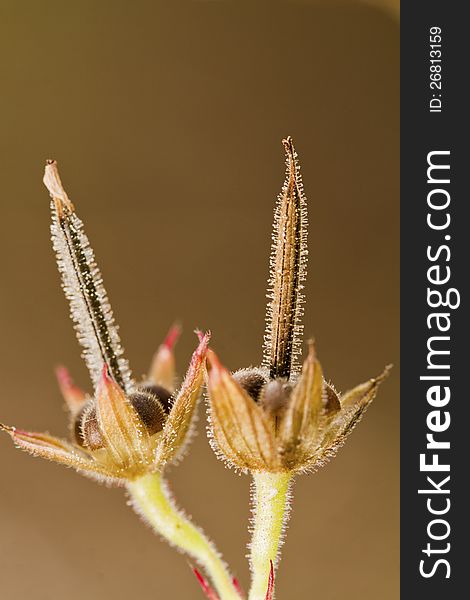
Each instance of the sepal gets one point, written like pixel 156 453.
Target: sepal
pixel 162 371
pixel 126 439
pixel 178 426
pixel 354 403
pixel 75 398
pixel 299 424
pixel 241 430
pixel 57 450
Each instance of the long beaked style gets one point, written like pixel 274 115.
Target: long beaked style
pixel 288 270
pixel 82 283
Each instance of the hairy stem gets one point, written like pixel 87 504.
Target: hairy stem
pixel 152 500
pixel 271 508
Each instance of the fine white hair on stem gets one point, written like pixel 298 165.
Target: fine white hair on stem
pixel 271 495
pixel 288 271
pixel 83 286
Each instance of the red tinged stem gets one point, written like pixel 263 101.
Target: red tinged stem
pixel 209 592
pixel 270 592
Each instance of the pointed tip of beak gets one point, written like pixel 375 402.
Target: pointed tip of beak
pixel 54 186
pixel 385 373
pixel 288 144
pixel 52 181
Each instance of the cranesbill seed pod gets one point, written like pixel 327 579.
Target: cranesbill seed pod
pixel 122 431
pixel 280 417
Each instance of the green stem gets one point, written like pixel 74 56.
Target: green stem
pixel 271 508
pixel 152 500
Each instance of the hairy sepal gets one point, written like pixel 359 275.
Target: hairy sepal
pixel 240 428
pixel 178 426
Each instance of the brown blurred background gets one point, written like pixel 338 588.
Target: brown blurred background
pixel 166 119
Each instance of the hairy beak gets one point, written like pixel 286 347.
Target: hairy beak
pixel 83 285
pixel 288 271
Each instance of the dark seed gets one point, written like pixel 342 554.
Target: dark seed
pixel 252 381
pixel 161 393
pixel 149 409
pixel 77 428
pixel 331 403
pixel 90 432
